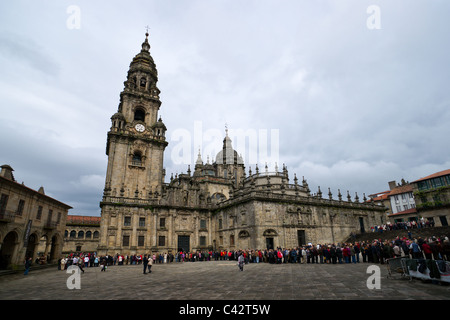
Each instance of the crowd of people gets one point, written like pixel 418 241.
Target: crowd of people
pixel 403 225
pixel 376 251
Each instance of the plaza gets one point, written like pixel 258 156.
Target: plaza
pixel 220 281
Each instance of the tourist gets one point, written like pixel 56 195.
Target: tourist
pixel 150 263
pixel 27 265
pixel 145 263
pixel 241 261
pixel 103 263
pixel 415 250
pixel 427 250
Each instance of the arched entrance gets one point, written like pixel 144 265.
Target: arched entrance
pixel 8 250
pixel 49 249
pixel 270 234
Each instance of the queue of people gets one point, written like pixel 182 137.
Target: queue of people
pixel 376 251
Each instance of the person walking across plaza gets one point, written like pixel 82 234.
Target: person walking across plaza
pixel 103 263
pixel 27 265
pixel 241 262
pixel 150 263
pixel 145 262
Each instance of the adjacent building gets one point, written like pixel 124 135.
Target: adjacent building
pixel 432 194
pixel 82 234
pixel 32 224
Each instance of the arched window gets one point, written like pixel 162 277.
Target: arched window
pixel 88 234
pixel 96 234
pixel 73 234
pixel 139 114
pixel 80 234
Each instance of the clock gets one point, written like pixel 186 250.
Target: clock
pixel 140 127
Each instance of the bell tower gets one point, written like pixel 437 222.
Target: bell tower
pixel 136 140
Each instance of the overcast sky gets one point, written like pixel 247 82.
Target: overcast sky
pixel 351 94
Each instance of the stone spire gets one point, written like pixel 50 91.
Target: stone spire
pixel 199 161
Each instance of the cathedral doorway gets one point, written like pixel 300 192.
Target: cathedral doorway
pixel 361 224
pixel 183 243
pixel 269 243
pixel 301 238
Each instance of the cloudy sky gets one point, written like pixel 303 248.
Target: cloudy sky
pixel 350 94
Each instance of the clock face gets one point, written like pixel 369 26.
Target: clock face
pixel 139 127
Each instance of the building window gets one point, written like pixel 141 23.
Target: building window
pixel 405 207
pixel 140 241
pixel 139 115
pixel 96 234
pixel 127 221
pixel 126 241
pixel 88 234
pixel 143 82
pixel 162 222
pixel 232 240
pixel 73 234
pixel 80 234
pixel 202 224
pixel 66 234
pixel 50 214
pixel 20 207
pixel 399 208
pixel 39 213
pixel 220 224
pixel 137 159
pixel 203 241
pixel 141 222
pixel 58 219
pixel 161 241
pixel 3 203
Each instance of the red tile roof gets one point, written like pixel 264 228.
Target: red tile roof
pixel 435 175
pixel 412 210
pixel 401 189
pixel 73 219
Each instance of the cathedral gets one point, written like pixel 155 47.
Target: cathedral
pixel 217 205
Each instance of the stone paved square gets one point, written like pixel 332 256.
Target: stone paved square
pixel 220 280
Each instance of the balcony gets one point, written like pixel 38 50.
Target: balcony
pixel 50 225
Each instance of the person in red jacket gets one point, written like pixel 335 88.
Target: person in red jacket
pixel 427 250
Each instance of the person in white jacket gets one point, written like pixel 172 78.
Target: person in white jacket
pixel 150 263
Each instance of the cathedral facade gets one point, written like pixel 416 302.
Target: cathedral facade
pixel 217 205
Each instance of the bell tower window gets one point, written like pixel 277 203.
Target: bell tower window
pixel 143 82
pixel 137 158
pixel 139 115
